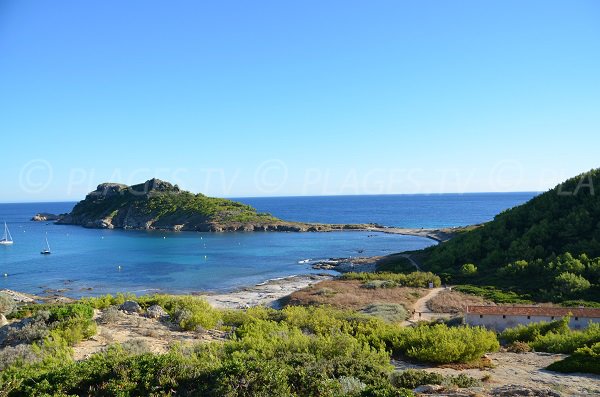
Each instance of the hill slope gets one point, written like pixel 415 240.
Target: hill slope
pixel 548 246
pixel 156 204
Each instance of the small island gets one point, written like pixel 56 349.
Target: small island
pixel 160 205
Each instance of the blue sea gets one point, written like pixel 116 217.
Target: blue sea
pixel 93 262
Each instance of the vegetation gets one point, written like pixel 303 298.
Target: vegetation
pixel 390 312
pixel 390 280
pixel 395 264
pixel 553 337
pixel 493 294
pixel 7 304
pixel 296 351
pixel 442 344
pixel 163 204
pixel 584 359
pixel 411 379
pixel 547 249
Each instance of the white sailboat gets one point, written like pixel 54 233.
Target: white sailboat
pixel 46 247
pixel 6 237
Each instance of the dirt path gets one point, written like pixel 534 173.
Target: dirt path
pixel 420 310
pixel 411 260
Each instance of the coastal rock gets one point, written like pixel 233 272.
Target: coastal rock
pixel 18 296
pixel 130 307
pixel 156 311
pixel 515 390
pixel 3 320
pixel 429 389
pixel 45 216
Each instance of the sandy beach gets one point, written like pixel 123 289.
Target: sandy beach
pixel 268 293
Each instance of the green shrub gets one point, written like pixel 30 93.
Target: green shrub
pixel 414 279
pixel 74 330
pixel 494 294
pixel 442 344
pixel 412 379
pixel 557 342
pixel 585 359
pixel 468 269
pixel 65 312
pixel 374 284
pixel 531 332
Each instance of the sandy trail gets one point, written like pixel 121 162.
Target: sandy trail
pixel 421 312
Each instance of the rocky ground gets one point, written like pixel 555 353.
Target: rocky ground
pixel 149 334
pixel 521 371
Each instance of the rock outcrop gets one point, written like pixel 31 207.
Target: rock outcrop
pixel 45 217
pixel 130 307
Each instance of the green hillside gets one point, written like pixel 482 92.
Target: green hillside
pixel 548 247
pixel 156 204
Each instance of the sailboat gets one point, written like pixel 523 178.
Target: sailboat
pixel 46 247
pixel 6 237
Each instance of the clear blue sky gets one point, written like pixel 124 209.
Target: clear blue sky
pixel 251 98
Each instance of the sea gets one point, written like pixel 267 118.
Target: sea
pixel 89 262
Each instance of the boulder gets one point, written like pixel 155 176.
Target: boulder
pixel 130 307
pixel 429 389
pixel 3 320
pixel 516 390
pixel 156 311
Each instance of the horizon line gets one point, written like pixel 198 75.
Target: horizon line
pixel 313 195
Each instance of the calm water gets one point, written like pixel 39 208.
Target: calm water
pixel 184 262
pixel 411 210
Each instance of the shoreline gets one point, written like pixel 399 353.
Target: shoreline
pixel 439 235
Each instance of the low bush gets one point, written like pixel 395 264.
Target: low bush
pixel 530 332
pixel 442 344
pixel 567 342
pixel 553 337
pixel 585 359
pixel 494 294
pixel 7 304
pixel 414 279
pixel 390 312
pixel 29 330
pixel 374 284
pixel 411 379
pixel 17 355
pixel 111 315
pixel 65 312
pixel 518 347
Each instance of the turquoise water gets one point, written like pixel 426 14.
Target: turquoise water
pixel 86 261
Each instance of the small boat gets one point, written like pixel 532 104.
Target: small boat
pixel 304 261
pixel 6 237
pixel 46 247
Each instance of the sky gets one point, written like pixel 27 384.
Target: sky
pixel 276 98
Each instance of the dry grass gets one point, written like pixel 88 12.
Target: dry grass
pixel 449 301
pixel 350 294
